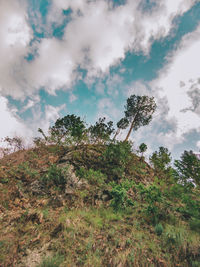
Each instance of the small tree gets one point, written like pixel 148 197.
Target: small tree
pixel 14 144
pixel 101 131
pixel 138 111
pixel 161 159
pixel 142 148
pixel 188 168
pixel 122 124
pixel 69 126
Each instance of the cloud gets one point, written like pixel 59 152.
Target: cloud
pixel 15 35
pixel 107 109
pixel 178 83
pixel 96 37
pixel 11 125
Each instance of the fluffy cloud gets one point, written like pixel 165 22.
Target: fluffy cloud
pixel 11 125
pixel 15 35
pixel 178 82
pixel 96 37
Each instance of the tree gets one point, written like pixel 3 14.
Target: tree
pixel 101 131
pixel 161 159
pixel 188 168
pixel 122 124
pixel 138 111
pixel 142 148
pixel 161 162
pixel 68 126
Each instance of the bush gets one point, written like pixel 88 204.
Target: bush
pixel 116 158
pixel 120 198
pixel 152 196
pixel 191 208
pixel 93 177
pixel 195 225
pixel 159 229
pixel 55 176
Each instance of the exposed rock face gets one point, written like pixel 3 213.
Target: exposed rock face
pixel 72 181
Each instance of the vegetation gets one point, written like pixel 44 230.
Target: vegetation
pixel 138 112
pixel 188 168
pixel 82 198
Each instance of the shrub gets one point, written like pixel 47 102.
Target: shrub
pixel 159 229
pixel 152 196
pixel 55 176
pixel 93 177
pixel 116 157
pixel 120 198
pixel 195 225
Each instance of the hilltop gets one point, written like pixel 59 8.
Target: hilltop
pixel 94 205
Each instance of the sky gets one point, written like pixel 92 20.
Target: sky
pixel 86 57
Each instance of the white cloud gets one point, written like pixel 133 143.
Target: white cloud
pixel 11 125
pixel 15 35
pixel 96 38
pixel 179 83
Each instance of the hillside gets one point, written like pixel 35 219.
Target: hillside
pixel 94 205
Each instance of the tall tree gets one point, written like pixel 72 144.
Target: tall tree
pixel 138 111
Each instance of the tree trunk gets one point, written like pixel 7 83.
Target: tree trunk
pixel 129 132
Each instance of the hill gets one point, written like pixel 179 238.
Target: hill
pixel 94 205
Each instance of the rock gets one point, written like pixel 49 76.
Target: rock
pixel 72 181
pixel 37 188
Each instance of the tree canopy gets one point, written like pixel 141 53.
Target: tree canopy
pixel 188 168
pixel 138 111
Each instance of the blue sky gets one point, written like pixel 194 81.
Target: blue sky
pixel 84 57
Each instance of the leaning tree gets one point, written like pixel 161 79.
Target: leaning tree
pixel 138 112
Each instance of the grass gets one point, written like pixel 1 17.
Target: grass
pixel 93 233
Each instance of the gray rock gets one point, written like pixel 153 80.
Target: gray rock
pixel 37 188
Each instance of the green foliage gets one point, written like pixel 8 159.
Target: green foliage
pixel 115 158
pixel 120 199
pixel 138 111
pixel 159 229
pixel 55 176
pixel 92 176
pixel 68 127
pixel 191 207
pixel 142 148
pixel 161 159
pixel 122 124
pixel 153 197
pixel 52 261
pixel 195 225
pixel 101 131
pixel 188 168
pixel 173 236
